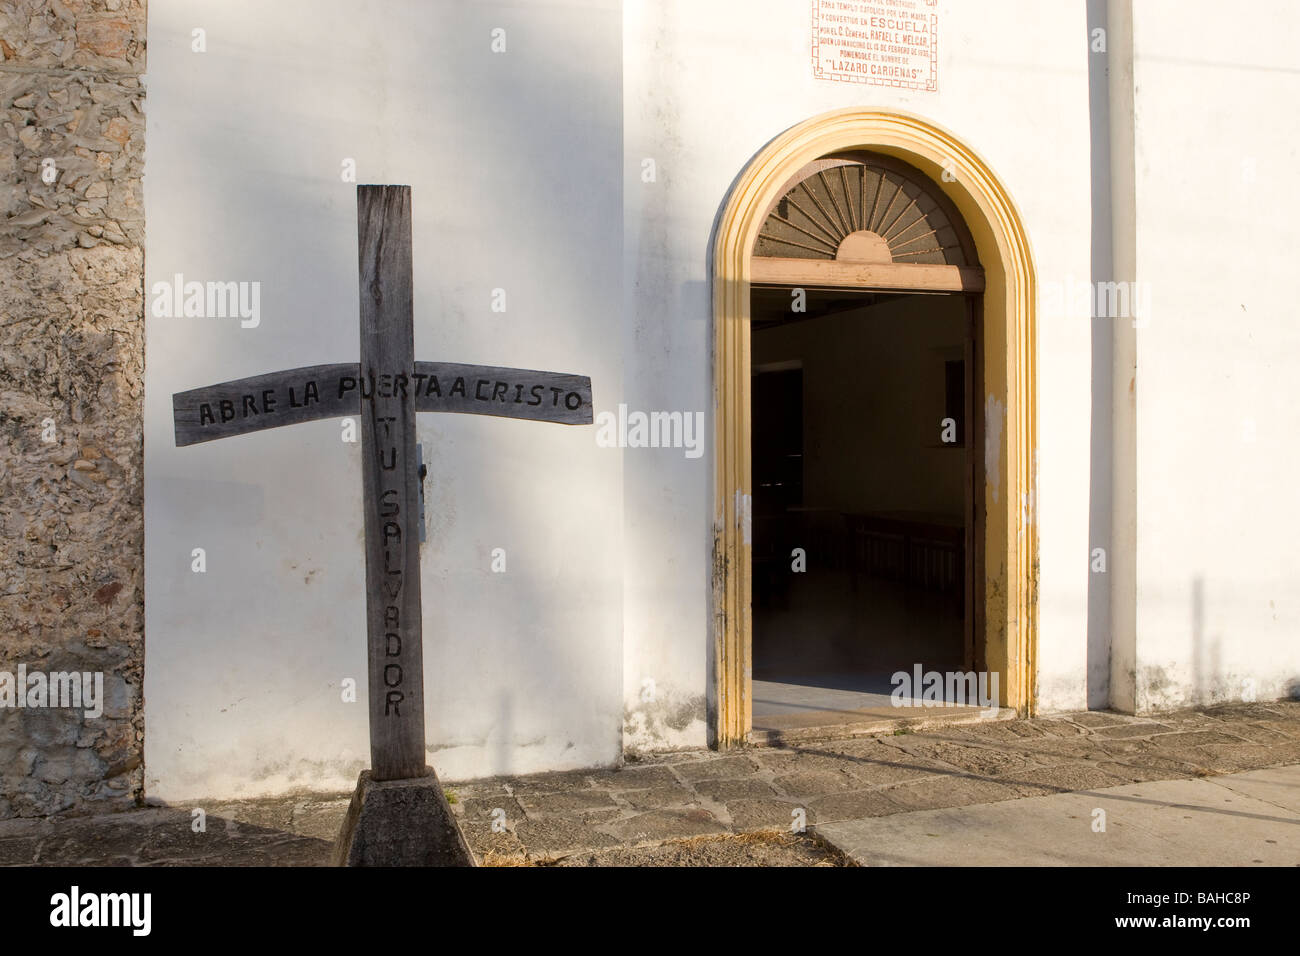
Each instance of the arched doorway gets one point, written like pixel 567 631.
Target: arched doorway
pixel 963 196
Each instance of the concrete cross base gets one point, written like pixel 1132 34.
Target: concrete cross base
pixel 400 823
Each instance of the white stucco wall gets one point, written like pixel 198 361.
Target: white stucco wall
pixel 1217 144
pixel 527 171
pixel 705 87
pixel 514 160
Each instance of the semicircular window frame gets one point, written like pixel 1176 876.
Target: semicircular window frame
pixel 862 209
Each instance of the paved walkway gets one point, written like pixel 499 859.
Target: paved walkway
pixel 1241 819
pixel 703 807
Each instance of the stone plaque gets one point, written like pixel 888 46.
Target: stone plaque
pixel 881 42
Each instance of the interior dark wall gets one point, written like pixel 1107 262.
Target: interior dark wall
pixel 874 397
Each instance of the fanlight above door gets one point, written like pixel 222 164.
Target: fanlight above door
pixel 843 215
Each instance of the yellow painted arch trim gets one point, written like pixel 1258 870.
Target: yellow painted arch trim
pixel 1008 347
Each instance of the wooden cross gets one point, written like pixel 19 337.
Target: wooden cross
pixel 386 389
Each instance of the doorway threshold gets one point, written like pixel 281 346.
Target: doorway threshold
pixel 776 730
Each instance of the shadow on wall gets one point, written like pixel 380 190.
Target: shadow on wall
pixel 668 502
pixel 1101 456
pixel 1201 674
pixel 554 184
pixel 1210 685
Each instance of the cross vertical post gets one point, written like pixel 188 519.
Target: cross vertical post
pixel 395 658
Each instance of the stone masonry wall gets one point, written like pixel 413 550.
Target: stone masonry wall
pixel 71 389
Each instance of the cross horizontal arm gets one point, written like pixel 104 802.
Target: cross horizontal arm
pixel 263 401
pixel 331 391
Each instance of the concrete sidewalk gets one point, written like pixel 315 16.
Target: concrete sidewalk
pixel 737 807
pixel 1241 819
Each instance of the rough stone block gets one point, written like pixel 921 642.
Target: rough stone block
pixel 401 823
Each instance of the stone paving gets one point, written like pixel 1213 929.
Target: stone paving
pixel 709 808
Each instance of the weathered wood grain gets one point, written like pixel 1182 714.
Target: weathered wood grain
pixel 504 392
pixel 263 401
pixel 390 484
pixel 329 391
